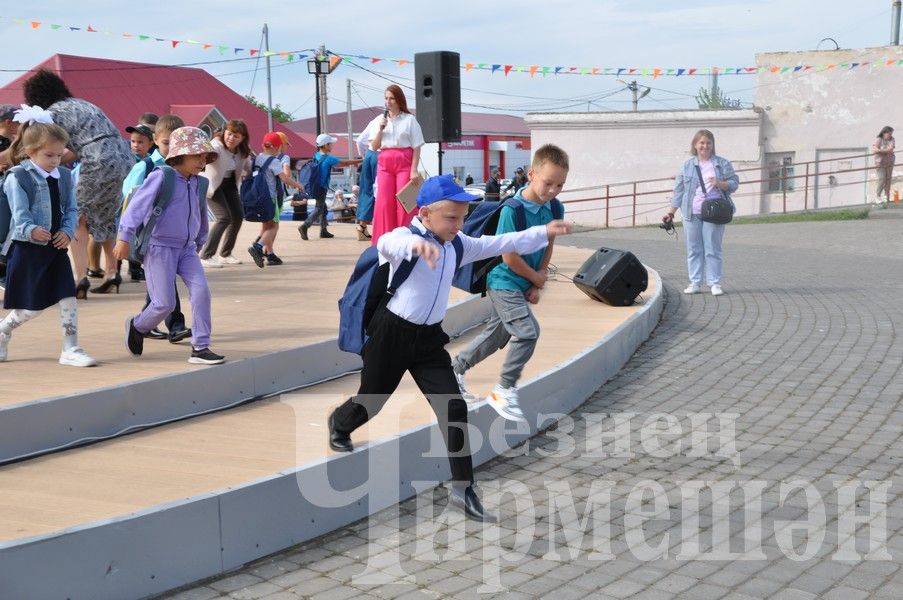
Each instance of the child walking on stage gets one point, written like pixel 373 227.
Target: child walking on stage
pixel 407 334
pixel 514 285
pixel 44 216
pixel 178 234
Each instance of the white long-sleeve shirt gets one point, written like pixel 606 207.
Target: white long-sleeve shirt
pixel 423 298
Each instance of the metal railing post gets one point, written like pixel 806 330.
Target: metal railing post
pixel 607 204
pixel 806 195
pixel 633 220
pixel 784 186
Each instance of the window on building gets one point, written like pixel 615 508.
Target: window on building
pixel 779 166
pixel 459 174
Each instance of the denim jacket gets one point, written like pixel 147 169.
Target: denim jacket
pixel 28 215
pixel 687 181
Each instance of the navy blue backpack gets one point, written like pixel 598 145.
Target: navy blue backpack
pixel 369 290
pixel 484 220
pixel 256 200
pixel 309 177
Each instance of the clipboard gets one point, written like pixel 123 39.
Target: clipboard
pixel 407 196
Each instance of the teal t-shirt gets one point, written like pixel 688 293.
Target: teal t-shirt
pixel 502 277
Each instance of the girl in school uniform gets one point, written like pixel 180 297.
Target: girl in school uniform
pixel 44 217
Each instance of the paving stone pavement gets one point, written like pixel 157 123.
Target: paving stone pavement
pixel 800 364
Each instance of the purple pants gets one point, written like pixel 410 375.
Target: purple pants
pixel 161 265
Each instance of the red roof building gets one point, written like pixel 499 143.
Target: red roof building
pixel 125 90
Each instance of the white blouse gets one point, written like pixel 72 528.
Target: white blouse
pixel 401 132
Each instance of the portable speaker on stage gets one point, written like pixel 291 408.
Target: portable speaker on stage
pixel 438 84
pixel 612 276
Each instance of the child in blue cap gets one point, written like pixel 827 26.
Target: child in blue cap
pixel 407 335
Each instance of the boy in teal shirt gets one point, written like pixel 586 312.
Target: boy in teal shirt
pixel 515 284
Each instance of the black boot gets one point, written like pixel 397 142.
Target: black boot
pixel 338 441
pixel 467 499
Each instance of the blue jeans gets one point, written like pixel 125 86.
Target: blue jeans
pixel 703 248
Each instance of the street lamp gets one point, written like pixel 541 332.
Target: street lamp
pixel 320 66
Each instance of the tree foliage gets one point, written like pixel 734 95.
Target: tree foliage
pixel 278 114
pixel 714 99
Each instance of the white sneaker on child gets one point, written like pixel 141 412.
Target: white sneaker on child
pixel 229 260
pixel 468 397
pixel 4 345
pixel 505 402
pixel 716 290
pixel 211 263
pixel 693 288
pixel 76 357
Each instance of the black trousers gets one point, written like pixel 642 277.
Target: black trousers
pixel 225 204
pixel 176 318
pixel 396 346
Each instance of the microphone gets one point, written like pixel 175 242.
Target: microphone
pixel 386 114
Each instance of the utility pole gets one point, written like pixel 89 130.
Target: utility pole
pixel 321 100
pixel 633 87
pixel 350 124
pixel 266 47
pixel 895 24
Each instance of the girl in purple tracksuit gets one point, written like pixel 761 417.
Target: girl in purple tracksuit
pixel 179 233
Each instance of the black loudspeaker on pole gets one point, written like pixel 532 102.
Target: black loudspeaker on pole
pixel 438 84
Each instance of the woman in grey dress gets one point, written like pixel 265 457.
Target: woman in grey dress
pixel 105 161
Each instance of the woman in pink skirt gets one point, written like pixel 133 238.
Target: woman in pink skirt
pixel 397 136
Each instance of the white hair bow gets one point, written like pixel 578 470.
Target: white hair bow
pixel 32 114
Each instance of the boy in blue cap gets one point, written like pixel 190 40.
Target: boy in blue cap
pixel 407 335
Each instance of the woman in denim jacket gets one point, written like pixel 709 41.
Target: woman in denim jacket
pixel 703 239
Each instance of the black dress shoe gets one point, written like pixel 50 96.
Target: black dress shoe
pixel 338 441
pixel 178 333
pixel 468 500
pixel 95 273
pixel 155 334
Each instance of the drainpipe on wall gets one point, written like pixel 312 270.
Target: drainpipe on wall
pixel 895 24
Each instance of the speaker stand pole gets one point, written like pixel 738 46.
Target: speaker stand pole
pixel 440 158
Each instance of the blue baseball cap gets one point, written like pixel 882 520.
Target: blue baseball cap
pixel 442 187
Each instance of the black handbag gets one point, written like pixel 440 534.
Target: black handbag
pixel 718 210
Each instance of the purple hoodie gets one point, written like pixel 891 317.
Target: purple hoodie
pixel 180 224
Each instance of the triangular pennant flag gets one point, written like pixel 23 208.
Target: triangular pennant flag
pixel 222 49
pixel 468 67
pixel 750 69
pixel 519 68
pixel 507 69
pixel 631 71
pixel 807 67
pixel 55 26
pixel 91 29
pixel 546 70
pixel 533 70
pixel 160 39
pixel 284 54
pixel 375 60
pixel 192 42
pixel 645 72
pixel 75 28
pixel 691 71
pixel 205 46
pixel 854 65
pixel 402 62
pixel 35 24
pixel 19 21
pixel 620 70
pixel 785 69
pixel 572 69
pixel 268 53
pixel 345 59
pixel 680 72
pixel 143 37
pixel 595 70
pixel 669 72
pixel 333 61
pixel 831 66
pixel 253 51
pixel 558 70
pixel 482 66
pixel 585 71
pixel 237 50
pixel 775 69
pixel 175 43
pixel 289 57
pixel 890 61
pixel 127 35
pixel 607 71
pixel 797 68
pixel 656 72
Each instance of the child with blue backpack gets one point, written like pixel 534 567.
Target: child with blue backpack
pixel 325 162
pixel 178 230
pixel 270 165
pixel 516 283
pixel 405 333
pixel 44 217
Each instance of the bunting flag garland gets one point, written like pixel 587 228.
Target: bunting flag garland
pixel 506 69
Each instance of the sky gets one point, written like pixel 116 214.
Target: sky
pixel 584 33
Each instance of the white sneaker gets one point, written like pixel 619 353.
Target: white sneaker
pixel 693 288
pixel 505 402
pixel 76 357
pixel 716 290
pixel 468 397
pixel 211 263
pixel 4 345
pixel 229 260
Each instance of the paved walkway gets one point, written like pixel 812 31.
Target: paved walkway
pixel 801 363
